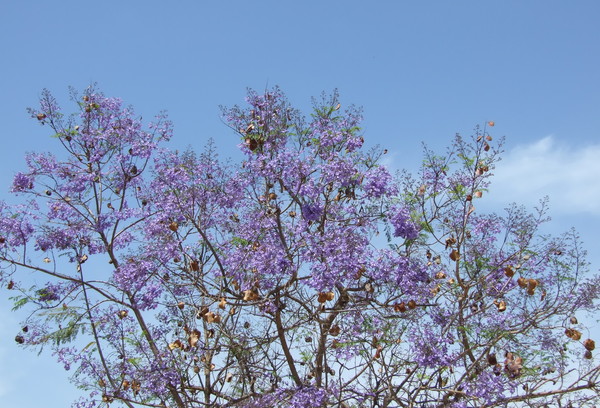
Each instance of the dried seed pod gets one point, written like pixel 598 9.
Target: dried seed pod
pixel 587 355
pixel 122 314
pixel 478 194
pixel 573 320
pixel 180 305
pixel 573 334
pixel 250 295
pixel 173 226
pixel 194 337
pixel 412 304
pixel 330 295
pixel 522 282
pixel 589 344
pixel 334 330
pixel 454 255
pixel 508 271
pixel 532 284
pixel 400 307
pixel 501 305
pixel 440 275
pixel 222 303
pixel 450 242
pixel 175 345
pixel 492 360
pixel 322 297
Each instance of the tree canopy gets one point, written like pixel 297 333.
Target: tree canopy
pixel 304 275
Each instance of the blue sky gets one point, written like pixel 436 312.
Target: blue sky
pixel 422 71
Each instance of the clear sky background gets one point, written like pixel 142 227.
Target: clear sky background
pixel 422 70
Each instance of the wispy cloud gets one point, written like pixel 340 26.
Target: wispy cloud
pixel 568 175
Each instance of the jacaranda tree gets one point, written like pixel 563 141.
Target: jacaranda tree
pixel 305 275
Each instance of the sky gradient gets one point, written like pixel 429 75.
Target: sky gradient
pixel 422 71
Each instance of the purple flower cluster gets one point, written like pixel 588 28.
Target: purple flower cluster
pixel 404 226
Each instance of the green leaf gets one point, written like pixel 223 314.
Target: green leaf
pixel 19 302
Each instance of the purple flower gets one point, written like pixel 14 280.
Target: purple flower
pixel 22 182
pixel 404 226
pixel 311 212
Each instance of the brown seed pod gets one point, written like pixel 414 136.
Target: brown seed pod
pixel 522 282
pixel 180 305
pixel 450 242
pixel 589 344
pixel 587 355
pixel 501 305
pixel 454 255
pixel 412 304
pixel 440 275
pixel 335 330
pixel 250 295
pixel 122 314
pixel 251 143
pixel 322 297
pixel 175 345
pixel 508 271
pixel 400 307
pixel 173 226
pixel 194 337
pixel 492 360
pixel 222 303
pixel 573 334
pixel 532 284
pixel 573 320
pixel 41 116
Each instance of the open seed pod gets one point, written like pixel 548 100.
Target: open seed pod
pixel 400 307
pixel 573 334
pixel 500 304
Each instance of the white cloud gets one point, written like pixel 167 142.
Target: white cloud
pixel 568 175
